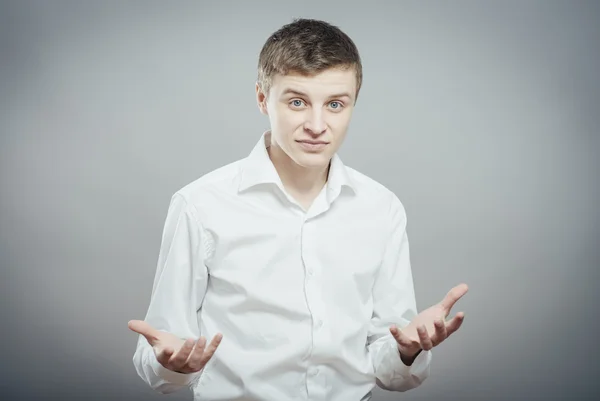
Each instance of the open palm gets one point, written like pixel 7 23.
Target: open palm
pixel 429 328
pixel 174 353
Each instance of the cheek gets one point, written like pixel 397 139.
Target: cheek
pixel 288 119
pixel 284 125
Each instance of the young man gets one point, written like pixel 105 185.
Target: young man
pixel 294 265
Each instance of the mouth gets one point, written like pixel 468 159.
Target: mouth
pixel 314 142
pixel 313 145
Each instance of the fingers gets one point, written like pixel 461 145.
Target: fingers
pixel 440 332
pixel 212 348
pixel 195 360
pixel 194 355
pixel 178 361
pixel 401 338
pixel 453 296
pixel 424 339
pixel 143 328
pixel 164 356
pixel 455 323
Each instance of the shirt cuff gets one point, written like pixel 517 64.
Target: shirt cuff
pixel 419 369
pixel 171 377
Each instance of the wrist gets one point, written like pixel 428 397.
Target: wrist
pixel 408 357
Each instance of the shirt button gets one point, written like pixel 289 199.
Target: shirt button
pixel 319 324
pixel 313 371
pixel 309 272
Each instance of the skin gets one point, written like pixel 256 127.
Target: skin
pixel 308 108
pixel 429 328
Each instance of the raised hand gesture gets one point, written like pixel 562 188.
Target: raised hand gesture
pixel 429 328
pixel 174 353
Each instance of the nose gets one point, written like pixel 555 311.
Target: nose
pixel 315 123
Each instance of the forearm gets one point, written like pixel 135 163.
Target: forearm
pixel 394 303
pixel 178 289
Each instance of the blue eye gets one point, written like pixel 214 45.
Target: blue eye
pixel 297 103
pixel 337 105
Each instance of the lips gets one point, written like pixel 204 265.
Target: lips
pixel 314 142
pixel 312 146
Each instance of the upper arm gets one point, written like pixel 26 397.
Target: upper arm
pixel 181 274
pixel 393 290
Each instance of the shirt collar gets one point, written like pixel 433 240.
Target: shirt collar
pixel 258 169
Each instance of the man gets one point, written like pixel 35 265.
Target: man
pixel 294 265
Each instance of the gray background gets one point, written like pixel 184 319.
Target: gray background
pixel 482 116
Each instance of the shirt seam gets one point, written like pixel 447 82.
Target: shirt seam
pixel 206 238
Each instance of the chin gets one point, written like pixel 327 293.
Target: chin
pixel 313 160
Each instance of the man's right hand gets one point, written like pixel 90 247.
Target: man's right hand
pixel 174 353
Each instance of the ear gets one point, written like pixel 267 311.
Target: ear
pixel 261 99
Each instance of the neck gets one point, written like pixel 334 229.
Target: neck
pixel 300 181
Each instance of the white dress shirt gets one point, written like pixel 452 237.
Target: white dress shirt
pixel 304 299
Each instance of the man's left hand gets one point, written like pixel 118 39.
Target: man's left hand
pixel 429 328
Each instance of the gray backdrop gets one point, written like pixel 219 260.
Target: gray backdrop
pixel 482 116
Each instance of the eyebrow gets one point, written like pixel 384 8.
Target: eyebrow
pixel 291 91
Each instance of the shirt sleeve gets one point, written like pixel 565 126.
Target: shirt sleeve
pixel 394 303
pixel 177 293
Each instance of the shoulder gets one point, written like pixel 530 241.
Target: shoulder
pixel 381 199
pixel 209 187
pixel 375 190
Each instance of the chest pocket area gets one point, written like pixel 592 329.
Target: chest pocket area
pixel 351 266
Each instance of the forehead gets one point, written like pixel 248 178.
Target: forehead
pixel 324 83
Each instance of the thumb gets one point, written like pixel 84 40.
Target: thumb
pixel 453 296
pixel 145 329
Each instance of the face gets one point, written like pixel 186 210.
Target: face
pixel 310 115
